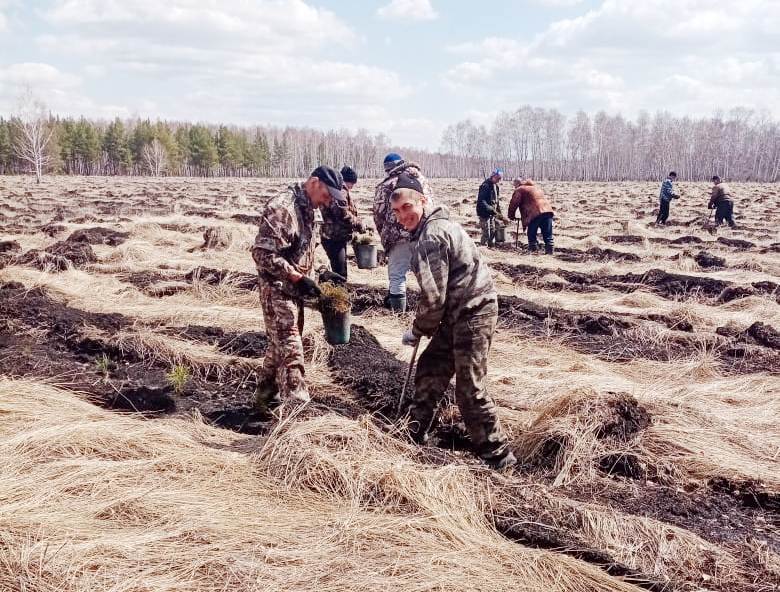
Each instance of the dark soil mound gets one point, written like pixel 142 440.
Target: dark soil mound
pixel 59 256
pixel 686 240
pixel 370 370
pixel 9 247
pixel 251 344
pixel 705 259
pixel 734 293
pixel 246 420
pixel 736 242
pixel 625 239
pixel 142 398
pixel 749 493
pixel 669 284
pixel 52 230
pixel 247 219
pixel 765 335
pixel 625 419
pixel 245 281
pixel 98 236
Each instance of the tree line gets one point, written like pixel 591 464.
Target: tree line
pixel 542 143
pixel 742 145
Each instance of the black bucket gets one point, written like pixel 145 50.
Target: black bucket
pixel 337 326
pixel 366 256
pixel 500 234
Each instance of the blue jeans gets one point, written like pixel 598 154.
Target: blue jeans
pixel 543 222
pixel 399 263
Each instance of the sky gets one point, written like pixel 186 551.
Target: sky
pixel 405 68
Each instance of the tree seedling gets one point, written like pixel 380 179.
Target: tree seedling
pixel 178 377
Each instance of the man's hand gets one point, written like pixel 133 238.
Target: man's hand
pixel 308 287
pixel 503 218
pixel 409 338
pixel 331 276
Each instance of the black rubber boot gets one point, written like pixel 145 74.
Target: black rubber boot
pixel 397 302
pixel 533 248
pixel 549 249
pixel 267 396
pixel 502 462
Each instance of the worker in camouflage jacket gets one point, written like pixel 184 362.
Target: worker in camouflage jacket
pixel 339 222
pixel 457 309
pixel 665 197
pixel 284 256
pixel 395 239
pixel 721 200
pixel 489 208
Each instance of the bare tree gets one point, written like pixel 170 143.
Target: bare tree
pixel 155 157
pixel 33 133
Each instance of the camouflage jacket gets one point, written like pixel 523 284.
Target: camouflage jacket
pixel 390 231
pixel 455 282
pixel 668 193
pixel 286 238
pixel 339 221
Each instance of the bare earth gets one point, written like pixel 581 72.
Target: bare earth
pixel 636 371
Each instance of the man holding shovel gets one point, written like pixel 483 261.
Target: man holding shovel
pixel 457 309
pixel 721 202
pixel 284 257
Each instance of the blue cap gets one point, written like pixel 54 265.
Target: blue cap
pixel 392 157
pixel 498 171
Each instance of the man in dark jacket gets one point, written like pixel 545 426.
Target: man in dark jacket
pixel 457 309
pixel 340 221
pixel 489 207
pixel 536 213
pixel 722 202
pixel 665 198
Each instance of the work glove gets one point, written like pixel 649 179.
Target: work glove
pixel 308 287
pixel 409 338
pixel 332 277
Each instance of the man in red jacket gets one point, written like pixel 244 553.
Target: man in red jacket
pixel 536 213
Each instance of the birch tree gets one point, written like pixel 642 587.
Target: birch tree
pixel 32 135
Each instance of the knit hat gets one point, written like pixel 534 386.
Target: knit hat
pixel 391 161
pixel 406 181
pixel 349 175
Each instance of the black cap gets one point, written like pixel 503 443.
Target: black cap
pixel 406 181
pixel 332 180
pixel 349 175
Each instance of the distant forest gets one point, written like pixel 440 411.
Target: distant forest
pixel 740 145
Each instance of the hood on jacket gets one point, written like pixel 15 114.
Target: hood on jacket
pixel 400 169
pixel 429 215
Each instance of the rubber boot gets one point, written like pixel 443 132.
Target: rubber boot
pixel 267 395
pixel 502 462
pixel 532 248
pixel 549 249
pixel 397 302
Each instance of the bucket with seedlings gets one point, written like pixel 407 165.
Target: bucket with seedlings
pixel 365 251
pixel 335 307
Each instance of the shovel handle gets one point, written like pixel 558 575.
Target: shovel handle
pixel 408 377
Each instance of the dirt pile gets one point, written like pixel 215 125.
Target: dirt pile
pixel 708 260
pixel 584 431
pixel 208 275
pixel 98 236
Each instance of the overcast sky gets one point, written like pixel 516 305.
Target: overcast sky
pixel 403 67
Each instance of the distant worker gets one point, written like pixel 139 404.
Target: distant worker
pixel 536 213
pixel 457 309
pixel 666 196
pixel 284 256
pixel 489 208
pixel 395 239
pixel 340 222
pixel 722 202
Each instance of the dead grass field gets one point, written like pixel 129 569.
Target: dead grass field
pixel 640 390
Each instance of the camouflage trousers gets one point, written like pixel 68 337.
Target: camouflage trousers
pixel 461 350
pixel 491 231
pixel 283 362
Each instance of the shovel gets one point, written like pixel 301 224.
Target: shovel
pixel 408 377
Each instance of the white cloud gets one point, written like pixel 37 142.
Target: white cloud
pixel 690 56
pixel 415 10
pixel 289 25
pixel 558 3
pixel 59 91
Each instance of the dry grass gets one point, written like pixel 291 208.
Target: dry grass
pixel 95 500
pixel 131 505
